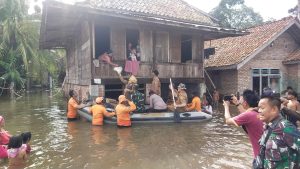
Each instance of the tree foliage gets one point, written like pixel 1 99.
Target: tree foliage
pixel 235 14
pixel 20 59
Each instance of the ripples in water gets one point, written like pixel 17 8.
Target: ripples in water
pixel 59 144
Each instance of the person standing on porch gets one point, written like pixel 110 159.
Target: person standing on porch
pixel 156 85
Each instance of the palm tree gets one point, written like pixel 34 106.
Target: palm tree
pixel 15 46
pixel 20 59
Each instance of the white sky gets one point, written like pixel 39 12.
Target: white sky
pixel 276 9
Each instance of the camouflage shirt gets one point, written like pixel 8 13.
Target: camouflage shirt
pixel 282 147
pixel 139 100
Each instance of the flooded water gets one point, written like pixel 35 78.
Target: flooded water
pixel 58 144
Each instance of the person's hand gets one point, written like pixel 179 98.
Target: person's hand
pixel 234 100
pixel 226 104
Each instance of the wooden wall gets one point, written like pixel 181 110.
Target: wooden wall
pixel 78 72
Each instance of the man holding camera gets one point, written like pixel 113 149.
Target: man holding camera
pixel 247 118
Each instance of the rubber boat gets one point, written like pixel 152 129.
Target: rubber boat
pixel 162 117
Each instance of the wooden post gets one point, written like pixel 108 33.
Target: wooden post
pixel 12 90
pixel 154 66
pixel 298 10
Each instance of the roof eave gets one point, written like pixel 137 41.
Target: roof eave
pixel 291 62
pixel 210 32
pixel 226 67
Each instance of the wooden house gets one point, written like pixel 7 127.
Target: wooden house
pixel 170 34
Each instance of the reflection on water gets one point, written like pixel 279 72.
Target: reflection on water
pixel 59 144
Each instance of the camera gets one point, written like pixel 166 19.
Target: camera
pixel 227 98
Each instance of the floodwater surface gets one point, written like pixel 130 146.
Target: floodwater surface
pixel 59 144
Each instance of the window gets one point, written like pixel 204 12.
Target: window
pixel 262 78
pixel 256 71
pixel 133 43
pixel 186 48
pixel 102 40
pixel 162 47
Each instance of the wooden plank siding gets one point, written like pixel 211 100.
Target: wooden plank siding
pixel 167 53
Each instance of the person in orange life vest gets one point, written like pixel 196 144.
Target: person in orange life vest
pixel 98 110
pixel 73 105
pixel 123 110
pixel 196 103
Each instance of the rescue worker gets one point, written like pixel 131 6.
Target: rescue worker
pixel 73 106
pixel 196 103
pixel 123 110
pixel 98 111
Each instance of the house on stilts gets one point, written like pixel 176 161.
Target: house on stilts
pixel 169 33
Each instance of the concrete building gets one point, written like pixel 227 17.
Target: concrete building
pixel 268 56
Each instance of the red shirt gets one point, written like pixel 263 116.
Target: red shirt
pixel 253 126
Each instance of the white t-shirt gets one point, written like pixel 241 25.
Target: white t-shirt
pixel 157 103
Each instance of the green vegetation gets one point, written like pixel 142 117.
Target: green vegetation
pixel 235 14
pixel 22 64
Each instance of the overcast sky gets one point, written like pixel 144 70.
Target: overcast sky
pixel 276 9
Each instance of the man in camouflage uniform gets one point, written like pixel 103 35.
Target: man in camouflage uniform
pixel 138 99
pixel 282 146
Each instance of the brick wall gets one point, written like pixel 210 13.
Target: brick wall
pixel 294 76
pixel 225 81
pixel 270 57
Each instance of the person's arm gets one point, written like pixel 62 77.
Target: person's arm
pixel 90 110
pixel 237 104
pixel 107 114
pixel 284 101
pixel 227 116
pixel 132 106
pixel 122 79
pixel 292 113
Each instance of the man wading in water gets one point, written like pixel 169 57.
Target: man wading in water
pixel 247 117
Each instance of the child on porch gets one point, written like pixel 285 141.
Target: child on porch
pixel 132 63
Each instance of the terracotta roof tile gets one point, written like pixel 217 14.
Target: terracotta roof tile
pixel 167 9
pixel 233 50
pixel 293 57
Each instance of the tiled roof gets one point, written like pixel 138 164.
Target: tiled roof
pixel 167 9
pixel 293 57
pixel 233 50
